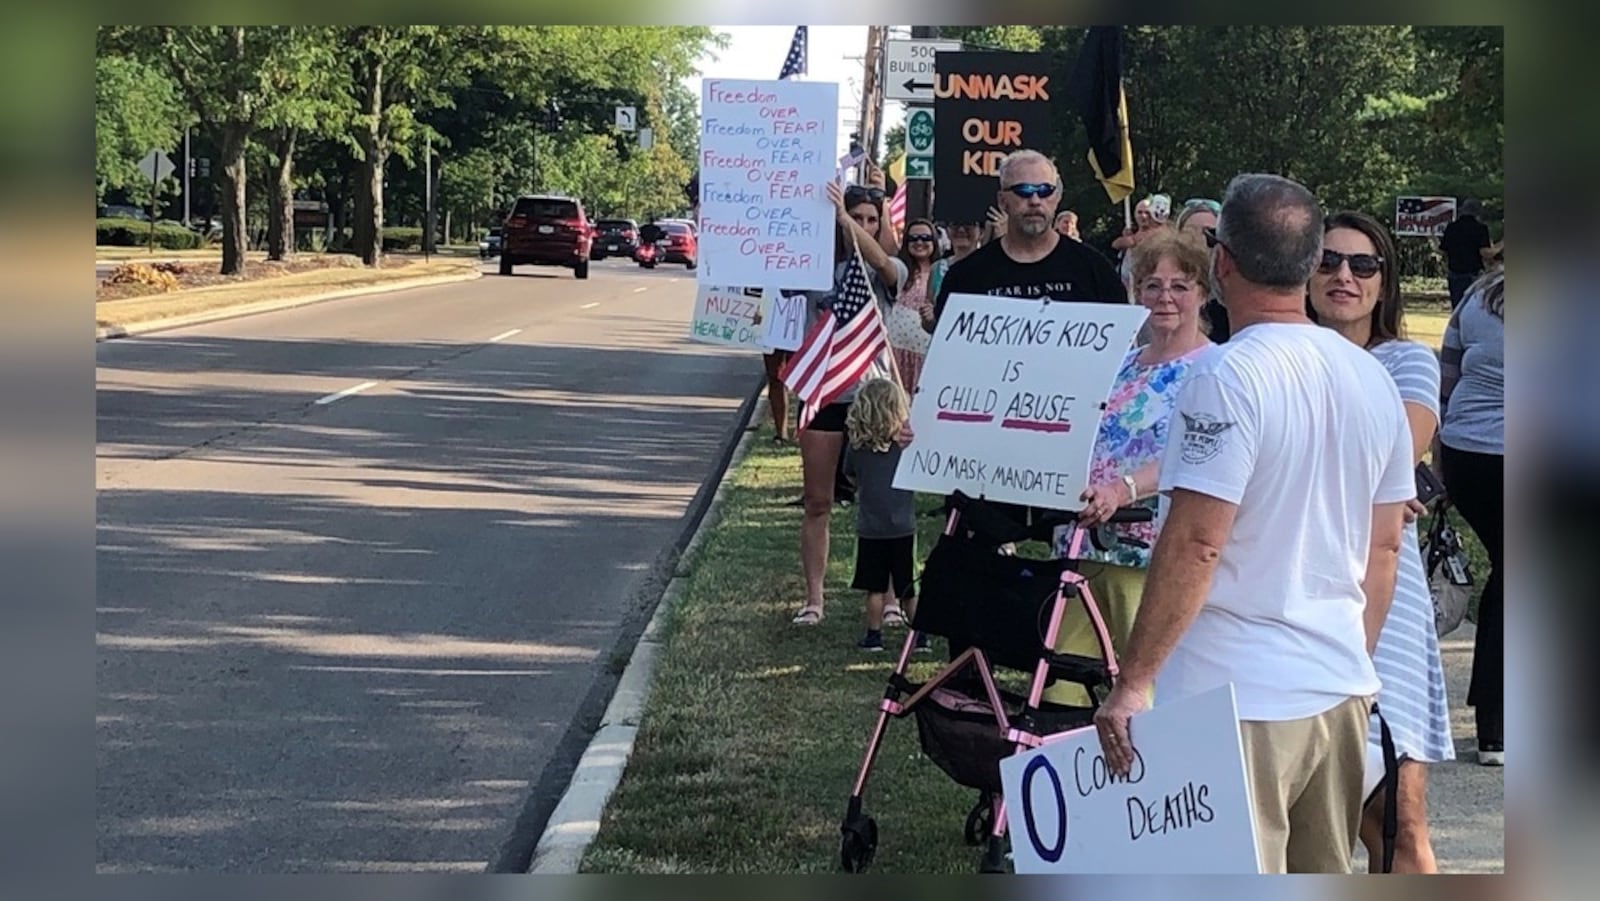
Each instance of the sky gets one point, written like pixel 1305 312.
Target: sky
pixel 837 55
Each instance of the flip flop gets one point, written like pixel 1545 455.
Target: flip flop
pixel 894 616
pixel 808 616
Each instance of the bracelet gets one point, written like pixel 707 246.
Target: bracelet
pixel 1133 488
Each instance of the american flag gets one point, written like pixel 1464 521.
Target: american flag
pixel 897 209
pixel 796 62
pixel 1413 206
pixel 840 348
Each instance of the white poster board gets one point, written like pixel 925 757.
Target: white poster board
pixel 728 316
pixel 1010 398
pixel 1183 808
pixel 766 152
pixel 785 324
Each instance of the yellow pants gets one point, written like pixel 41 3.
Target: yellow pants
pixel 1116 590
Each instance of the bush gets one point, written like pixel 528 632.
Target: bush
pixel 400 237
pixel 132 233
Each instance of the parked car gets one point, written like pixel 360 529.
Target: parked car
pixel 490 245
pixel 123 211
pixel 546 230
pixel 615 238
pixel 680 244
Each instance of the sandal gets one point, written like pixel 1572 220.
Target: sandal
pixel 808 616
pixel 894 616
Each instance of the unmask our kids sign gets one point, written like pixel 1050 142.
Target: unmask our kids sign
pixel 766 153
pixel 987 104
pixel 1010 398
pixel 1183 807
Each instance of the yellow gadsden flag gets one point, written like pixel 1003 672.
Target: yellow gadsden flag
pixel 897 169
pixel 1120 184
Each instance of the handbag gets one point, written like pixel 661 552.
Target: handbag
pixel 1449 572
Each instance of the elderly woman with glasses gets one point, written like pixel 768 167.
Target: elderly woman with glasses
pixel 1171 279
pixel 1356 292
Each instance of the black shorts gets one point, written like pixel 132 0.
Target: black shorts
pixel 829 418
pixel 880 561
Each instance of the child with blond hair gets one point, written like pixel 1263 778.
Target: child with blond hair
pixel 886 516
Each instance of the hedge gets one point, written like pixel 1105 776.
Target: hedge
pixel 133 233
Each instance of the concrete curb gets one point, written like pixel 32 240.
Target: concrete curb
pixel 108 333
pixel 576 819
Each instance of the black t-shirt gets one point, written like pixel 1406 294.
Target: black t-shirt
pixel 1461 241
pixel 1073 271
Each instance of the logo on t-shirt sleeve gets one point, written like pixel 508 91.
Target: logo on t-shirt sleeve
pixel 1203 437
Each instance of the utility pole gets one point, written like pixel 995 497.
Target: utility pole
pixel 188 169
pixel 872 91
pixel 427 195
pixel 919 192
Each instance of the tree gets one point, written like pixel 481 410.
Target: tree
pixel 219 71
pixel 305 95
pixel 136 109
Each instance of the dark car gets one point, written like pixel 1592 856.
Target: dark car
pixel 615 238
pixel 679 243
pixel 545 230
pixel 490 245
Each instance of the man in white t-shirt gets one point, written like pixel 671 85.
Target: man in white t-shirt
pixel 1275 566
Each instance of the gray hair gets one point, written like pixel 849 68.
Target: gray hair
pixel 1272 228
pixel 1018 157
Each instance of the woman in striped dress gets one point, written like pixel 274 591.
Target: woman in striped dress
pixel 1356 292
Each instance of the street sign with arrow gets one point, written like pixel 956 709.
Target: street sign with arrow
pixel 908 69
pixel 919 142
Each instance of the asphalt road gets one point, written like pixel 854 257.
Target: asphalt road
pixel 365 567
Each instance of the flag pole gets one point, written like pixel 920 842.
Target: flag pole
pixel 883 327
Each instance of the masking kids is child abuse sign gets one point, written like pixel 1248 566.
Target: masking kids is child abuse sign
pixel 1010 398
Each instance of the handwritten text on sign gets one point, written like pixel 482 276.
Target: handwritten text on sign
pixel 732 316
pixel 786 321
pixel 1010 397
pixel 1183 808
pixel 766 151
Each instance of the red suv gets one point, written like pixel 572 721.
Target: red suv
pixel 546 231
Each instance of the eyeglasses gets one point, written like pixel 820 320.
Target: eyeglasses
pixel 1029 190
pixel 919 239
pixel 1178 290
pixel 855 194
pixel 1362 265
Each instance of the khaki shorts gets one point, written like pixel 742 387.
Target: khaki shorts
pixel 1116 590
pixel 1305 787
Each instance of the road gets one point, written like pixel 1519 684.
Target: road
pixel 365 569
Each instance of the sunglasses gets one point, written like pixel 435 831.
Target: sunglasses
pixel 1362 265
pixel 919 239
pixel 1027 190
pixel 1202 203
pixel 857 194
pixel 1211 237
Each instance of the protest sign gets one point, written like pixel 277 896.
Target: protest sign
pixel 1423 216
pixel 1184 806
pixel 766 153
pixel 987 104
pixel 1010 397
pixel 731 316
pixel 785 323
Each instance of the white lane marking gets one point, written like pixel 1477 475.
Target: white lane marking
pixel 504 335
pixel 641 290
pixel 340 395
pixel 590 306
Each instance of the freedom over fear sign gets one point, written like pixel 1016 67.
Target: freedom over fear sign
pixel 1010 398
pixel 1184 807
pixel 766 152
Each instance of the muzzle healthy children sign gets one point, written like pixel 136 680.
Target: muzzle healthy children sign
pixel 766 151
pixel 1183 808
pixel 1010 398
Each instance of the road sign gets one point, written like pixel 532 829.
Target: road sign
pixel 919 131
pixel 919 167
pixel 627 118
pixel 156 165
pixel 908 69
pixel 647 139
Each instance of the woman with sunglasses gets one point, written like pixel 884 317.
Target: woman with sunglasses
pixel 913 307
pixel 860 223
pixel 1356 292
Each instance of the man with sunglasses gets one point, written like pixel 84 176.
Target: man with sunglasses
pixel 1032 259
pixel 1286 481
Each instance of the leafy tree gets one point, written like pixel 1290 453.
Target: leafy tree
pixel 136 109
pixel 305 96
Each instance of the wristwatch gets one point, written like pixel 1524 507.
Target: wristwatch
pixel 1133 488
